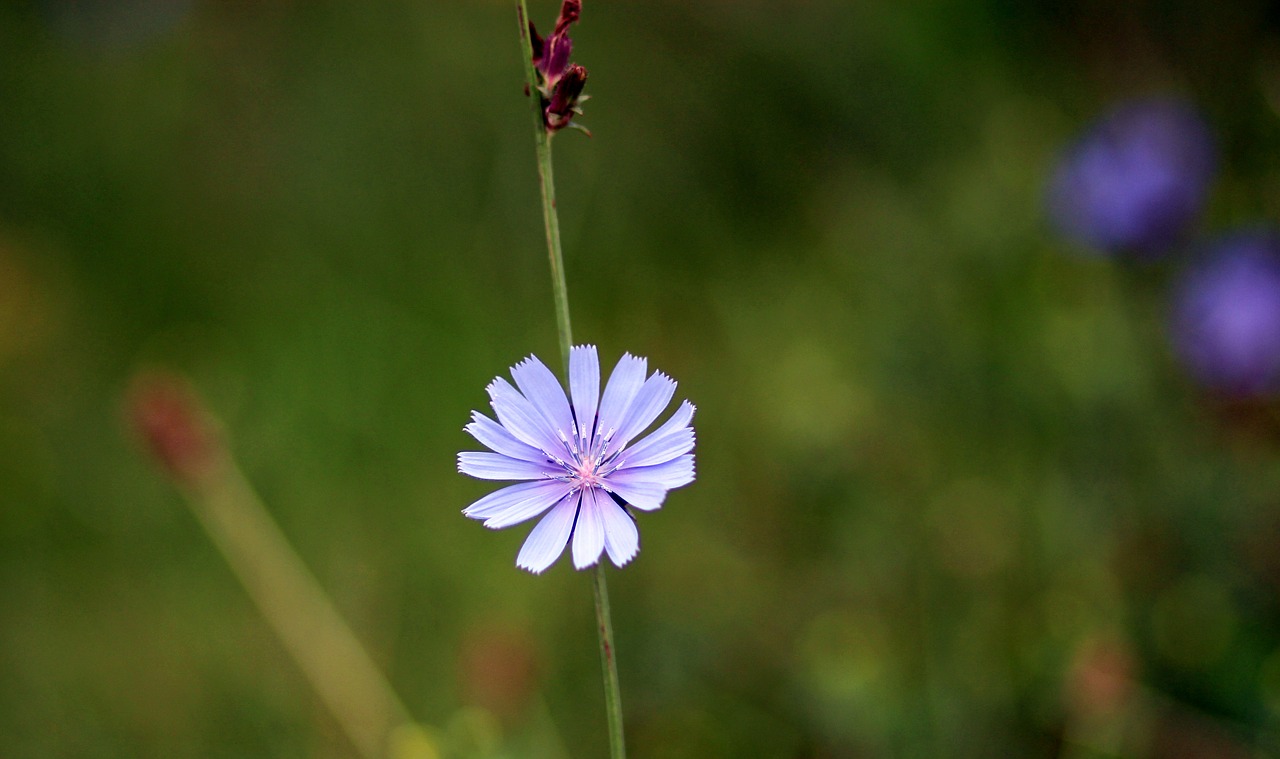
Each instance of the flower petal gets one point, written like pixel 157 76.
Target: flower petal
pixel 624 383
pixel 588 534
pixel 669 474
pixel 652 398
pixel 501 500
pixel 521 418
pixel 496 437
pixel 495 466
pixel 584 386
pixel 658 449
pixel 531 507
pixel 549 537
pixel 648 449
pixel 646 496
pixel 621 538
pixel 545 393
pixel 682 417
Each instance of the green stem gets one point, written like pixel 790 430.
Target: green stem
pixel 542 141
pixel 609 665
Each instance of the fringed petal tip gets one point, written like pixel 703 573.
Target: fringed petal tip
pixel 547 540
pixel 586 566
pixel 533 569
pixel 625 561
pixel 616 563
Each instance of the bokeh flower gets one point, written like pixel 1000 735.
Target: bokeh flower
pixel 1136 180
pixel 575 458
pixel 1225 322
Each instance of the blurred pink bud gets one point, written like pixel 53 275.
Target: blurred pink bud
pixel 498 670
pixel 1100 680
pixel 173 422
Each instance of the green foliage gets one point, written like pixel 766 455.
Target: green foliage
pixel 953 498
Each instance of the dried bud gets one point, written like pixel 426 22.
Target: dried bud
pixel 555 59
pixel 535 39
pixel 560 83
pixel 173 423
pixel 570 10
pixel 564 100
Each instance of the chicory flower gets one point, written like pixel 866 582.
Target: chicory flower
pixel 577 457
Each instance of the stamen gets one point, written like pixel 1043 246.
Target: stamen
pixel 570 445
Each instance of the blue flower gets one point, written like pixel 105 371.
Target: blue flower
pixel 1136 180
pixel 576 459
pixel 1225 323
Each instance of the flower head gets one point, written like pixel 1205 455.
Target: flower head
pixel 1225 322
pixel 1136 180
pixel 575 457
pixel 559 82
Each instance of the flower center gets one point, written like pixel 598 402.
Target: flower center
pixel 589 461
pixel 585 472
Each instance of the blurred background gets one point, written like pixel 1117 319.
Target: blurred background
pixel 956 495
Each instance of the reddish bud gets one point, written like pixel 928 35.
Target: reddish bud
pixel 172 421
pixel 1101 678
pixel 564 100
pixel 498 669
pixel 535 39
pixel 559 82
pixel 570 11
pixel 555 58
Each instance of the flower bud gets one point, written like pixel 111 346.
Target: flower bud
pixel 570 11
pixel 560 83
pixel 173 423
pixel 555 59
pixel 564 100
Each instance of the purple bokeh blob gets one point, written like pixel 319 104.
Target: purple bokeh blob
pixel 1136 179
pixel 1225 321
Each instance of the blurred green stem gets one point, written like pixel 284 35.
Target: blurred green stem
pixel 186 440
pixel 542 142
pixel 300 612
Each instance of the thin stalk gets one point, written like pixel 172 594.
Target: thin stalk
pixel 560 290
pixel 609 665
pixel 297 608
pixel 185 440
pixel 547 182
